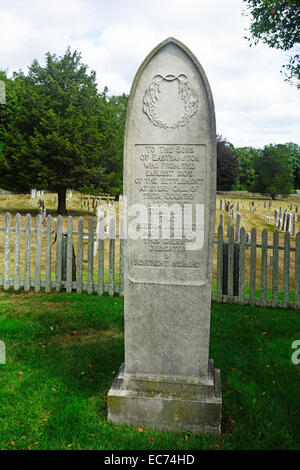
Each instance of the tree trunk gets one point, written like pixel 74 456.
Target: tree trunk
pixel 61 209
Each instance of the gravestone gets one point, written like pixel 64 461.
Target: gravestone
pixel 167 380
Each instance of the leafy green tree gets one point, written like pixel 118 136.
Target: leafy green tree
pixel 293 151
pixel 227 165
pixel 246 157
pixel 277 24
pixel 53 136
pixel 112 125
pixel 273 172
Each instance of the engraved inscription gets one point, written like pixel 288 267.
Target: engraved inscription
pixel 169 177
pixel 160 95
pixel 171 173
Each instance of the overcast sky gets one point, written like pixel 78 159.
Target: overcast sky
pixel 254 106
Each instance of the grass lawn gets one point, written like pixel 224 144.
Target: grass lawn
pixel 63 351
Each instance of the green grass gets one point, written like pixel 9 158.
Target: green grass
pixel 54 385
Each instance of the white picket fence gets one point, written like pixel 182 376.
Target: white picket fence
pixel 37 257
pixel 50 260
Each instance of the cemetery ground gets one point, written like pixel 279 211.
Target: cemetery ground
pixel 63 351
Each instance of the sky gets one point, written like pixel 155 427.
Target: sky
pixel 253 104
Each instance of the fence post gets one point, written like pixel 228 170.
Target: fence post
pixel 253 267
pixel 48 254
pixel 80 255
pixel 17 251
pixel 220 264
pixel 27 252
pixel 7 251
pixel 231 263
pixel 264 260
pixel 71 268
pixel 242 267
pixel 286 272
pixel 101 267
pixel 58 267
pixel 90 256
pixel 275 269
pixel 38 252
pixel 111 281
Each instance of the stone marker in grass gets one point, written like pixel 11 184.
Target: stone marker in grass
pixel 167 380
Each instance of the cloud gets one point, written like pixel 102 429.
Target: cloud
pixel 254 106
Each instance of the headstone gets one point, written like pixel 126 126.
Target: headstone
pixel 248 237
pixel 238 206
pixel 167 380
pixel 221 204
pixel 275 217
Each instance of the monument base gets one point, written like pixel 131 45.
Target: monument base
pixel 167 403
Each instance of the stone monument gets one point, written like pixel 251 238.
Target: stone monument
pixel 167 380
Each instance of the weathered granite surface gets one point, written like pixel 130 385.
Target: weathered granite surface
pixel 167 380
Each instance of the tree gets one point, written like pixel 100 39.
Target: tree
pixel 293 151
pixel 52 137
pixel 246 157
pixel 273 172
pixel 112 125
pixel 227 165
pixel 276 23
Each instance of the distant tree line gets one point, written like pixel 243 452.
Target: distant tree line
pixel 272 170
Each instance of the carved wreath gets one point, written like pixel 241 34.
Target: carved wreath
pixel 186 92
